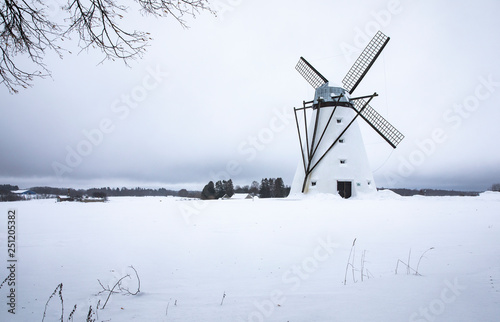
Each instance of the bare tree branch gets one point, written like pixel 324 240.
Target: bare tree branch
pixel 126 289
pixel 119 287
pixel 97 27
pixel 26 30
pixel 176 8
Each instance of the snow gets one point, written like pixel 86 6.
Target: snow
pixel 275 259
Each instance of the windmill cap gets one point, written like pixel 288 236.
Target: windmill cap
pixel 331 93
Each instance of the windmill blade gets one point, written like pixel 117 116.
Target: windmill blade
pixel 378 123
pixel 364 62
pixel 311 75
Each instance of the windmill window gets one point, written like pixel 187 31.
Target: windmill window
pixel 339 121
pixel 341 140
pixel 369 182
pixel 313 183
pixel 342 161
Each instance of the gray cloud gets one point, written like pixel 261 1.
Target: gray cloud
pixel 206 100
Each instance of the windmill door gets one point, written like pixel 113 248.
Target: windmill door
pixel 344 188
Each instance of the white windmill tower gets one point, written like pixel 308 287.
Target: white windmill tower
pixel 333 153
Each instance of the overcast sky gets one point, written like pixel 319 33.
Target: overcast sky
pixel 216 100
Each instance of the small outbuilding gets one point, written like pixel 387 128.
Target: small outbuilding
pixel 238 196
pixel 25 194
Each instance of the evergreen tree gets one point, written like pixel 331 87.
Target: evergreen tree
pixel 244 189
pixel 229 188
pixel 272 192
pixel 286 191
pixel 265 189
pixel 279 188
pixel 254 188
pixel 220 190
pixel 208 191
pixel 183 193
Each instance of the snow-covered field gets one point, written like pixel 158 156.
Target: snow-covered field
pixel 275 260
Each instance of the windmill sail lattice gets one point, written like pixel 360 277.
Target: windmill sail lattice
pixel 364 62
pixel 379 124
pixel 311 75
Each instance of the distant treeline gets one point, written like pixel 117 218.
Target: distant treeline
pixel 115 192
pixel 431 192
pixel 5 192
pixel 268 188
pixel 107 191
pixel 7 188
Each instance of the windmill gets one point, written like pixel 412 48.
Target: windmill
pixel 333 154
